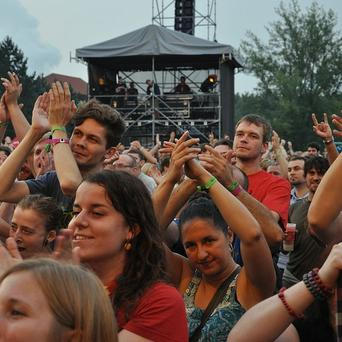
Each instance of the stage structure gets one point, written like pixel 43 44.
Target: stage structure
pixel 119 68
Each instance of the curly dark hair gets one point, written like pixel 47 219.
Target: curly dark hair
pixel 314 145
pixel 320 164
pixel 145 262
pixel 104 115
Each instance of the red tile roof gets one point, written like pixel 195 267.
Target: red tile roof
pixel 78 85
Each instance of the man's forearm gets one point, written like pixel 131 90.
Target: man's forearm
pixel 19 121
pixel 270 228
pixel 177 200
pixel 154 149
pixel 281 159
pixel 326 204
pixel 68 173
pixel 332 153
pixel 148 155
pixel 11 166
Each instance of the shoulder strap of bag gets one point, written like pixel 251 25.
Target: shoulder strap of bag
pixel 215 301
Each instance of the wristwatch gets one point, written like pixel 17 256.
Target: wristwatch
pixel 55 141
pixel 327 142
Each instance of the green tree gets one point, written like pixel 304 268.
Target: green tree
pixel 299 69
pixel 13 59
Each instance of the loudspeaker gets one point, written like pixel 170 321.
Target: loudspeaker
pixel 185 16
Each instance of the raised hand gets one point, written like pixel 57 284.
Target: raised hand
pixel 61 107
pixel 337 121
pixel 39 115
pixel 13 250
pixel 9 256
pixel 322 129
pixel 13 88
pixel 275 141
pixel 136 144
pixel 63 248
pixel 218 165
pixel 181 152
pixel 108 162
pixel 332 266
pixel 194 170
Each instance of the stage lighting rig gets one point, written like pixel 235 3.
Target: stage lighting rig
pixel 209 84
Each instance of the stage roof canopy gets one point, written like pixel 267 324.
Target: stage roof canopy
pixel 168 49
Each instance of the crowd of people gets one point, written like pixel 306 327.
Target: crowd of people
pixel 184 241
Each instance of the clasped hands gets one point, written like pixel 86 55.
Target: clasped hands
pixel 186 153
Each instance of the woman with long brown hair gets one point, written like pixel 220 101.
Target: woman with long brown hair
pixel 116 232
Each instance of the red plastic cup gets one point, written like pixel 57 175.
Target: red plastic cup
pixel 290 234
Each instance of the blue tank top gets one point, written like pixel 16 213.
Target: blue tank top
pixel 222 319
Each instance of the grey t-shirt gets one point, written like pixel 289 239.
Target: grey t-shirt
pixel 307 253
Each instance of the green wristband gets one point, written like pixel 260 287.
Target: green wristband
pixel 207 185
pixel 57 128
pixel 233 186
pixel 3 124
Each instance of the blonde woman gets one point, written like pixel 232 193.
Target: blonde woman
pixel 44 300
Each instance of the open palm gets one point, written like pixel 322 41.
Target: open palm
pixel 39 115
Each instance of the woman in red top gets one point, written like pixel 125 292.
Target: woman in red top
pixel 116 232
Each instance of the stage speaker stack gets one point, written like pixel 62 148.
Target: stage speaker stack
pixel 185 16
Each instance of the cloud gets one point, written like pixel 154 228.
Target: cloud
pixel 22 27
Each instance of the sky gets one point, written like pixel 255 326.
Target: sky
pixel 50 31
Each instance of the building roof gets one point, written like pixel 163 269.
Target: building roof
pixel 78 85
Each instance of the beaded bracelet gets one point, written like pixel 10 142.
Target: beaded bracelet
pixel 315 285
pixel 312 286
pixel 281 295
